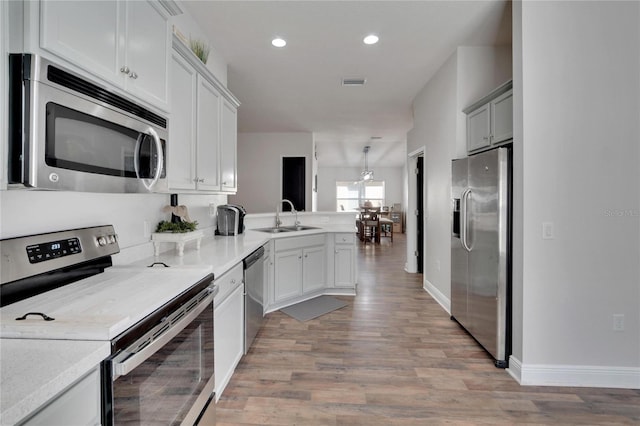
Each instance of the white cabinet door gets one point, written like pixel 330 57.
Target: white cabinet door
pixel 147 52
pixel 181 148
pixel 314 269
pixel 288 274
pixel 502 118
pixel 88 34
pixel 478 128
pixel 124 42
pixel 228 337
pixel 344 265
pixel 228 147
pixel 208 136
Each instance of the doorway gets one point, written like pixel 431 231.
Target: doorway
pixel 420 213
pixel 293 182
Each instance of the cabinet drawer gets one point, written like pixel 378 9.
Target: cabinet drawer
pixel 345 238
pixel 229 281
pixel 299 242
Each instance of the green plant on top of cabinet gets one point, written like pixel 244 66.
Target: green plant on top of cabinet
pixel 490 120
pixel 126 43
pixel 203 127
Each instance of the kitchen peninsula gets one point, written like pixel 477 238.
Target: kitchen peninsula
pixel 26 392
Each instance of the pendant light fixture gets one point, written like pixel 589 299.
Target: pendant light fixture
pixel 366 173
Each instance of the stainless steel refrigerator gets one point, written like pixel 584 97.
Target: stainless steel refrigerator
pixel 480 249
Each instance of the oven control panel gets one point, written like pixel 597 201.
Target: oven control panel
pixel 53 250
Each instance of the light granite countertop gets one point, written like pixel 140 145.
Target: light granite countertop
pixel 34 371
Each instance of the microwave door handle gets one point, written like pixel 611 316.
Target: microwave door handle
pixel 160 157
pixel 159 162
pixel 125 367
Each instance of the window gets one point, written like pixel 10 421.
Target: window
pixel 351 195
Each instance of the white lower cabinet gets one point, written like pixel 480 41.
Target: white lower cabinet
pixel 344 260
pixel 228 326
pixel 77 405
pixel 300 266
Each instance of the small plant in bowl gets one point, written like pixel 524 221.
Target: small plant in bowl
pixel 201 49
pixel 176 227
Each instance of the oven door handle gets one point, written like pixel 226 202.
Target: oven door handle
pixel 136 158
pixel 125 367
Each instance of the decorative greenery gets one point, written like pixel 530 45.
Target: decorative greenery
pixel 181 227
pixel 200 49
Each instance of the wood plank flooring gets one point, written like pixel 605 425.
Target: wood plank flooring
pixel 393 357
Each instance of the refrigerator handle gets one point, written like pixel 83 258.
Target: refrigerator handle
pixel 464 222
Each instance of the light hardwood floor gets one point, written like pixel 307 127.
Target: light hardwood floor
pixel 393 357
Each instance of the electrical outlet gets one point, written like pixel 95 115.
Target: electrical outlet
pixel 548 231
pixel 618 322
pixel 212 209
pixel 438 265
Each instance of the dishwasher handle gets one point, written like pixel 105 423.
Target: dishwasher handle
pixel 253 258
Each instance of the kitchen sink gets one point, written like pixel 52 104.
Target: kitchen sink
pixel 274 230
pixel 299 227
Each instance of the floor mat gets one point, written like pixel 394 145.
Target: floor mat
pixel 313 308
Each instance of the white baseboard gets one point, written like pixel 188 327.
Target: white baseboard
pixel 437 295
pixel 574 375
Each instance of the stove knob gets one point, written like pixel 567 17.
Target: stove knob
pixel 112 239
pixel 102 241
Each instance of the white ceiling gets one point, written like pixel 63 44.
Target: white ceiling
pixel 298 88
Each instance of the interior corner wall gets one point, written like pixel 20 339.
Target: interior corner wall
pixel 260 168
pixel 581 163
pixel 517 173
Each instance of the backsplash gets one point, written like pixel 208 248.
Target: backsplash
pixel 27 212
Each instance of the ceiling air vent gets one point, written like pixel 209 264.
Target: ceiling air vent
pixel 353 81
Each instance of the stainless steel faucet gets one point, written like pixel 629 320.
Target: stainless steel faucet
pixel 293 209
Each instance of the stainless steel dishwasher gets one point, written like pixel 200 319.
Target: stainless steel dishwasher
pixel 253 296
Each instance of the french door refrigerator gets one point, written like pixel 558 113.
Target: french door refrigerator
pixel 480 249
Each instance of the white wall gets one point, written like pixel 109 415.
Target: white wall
pixel 440 126
pixel 580 133
pixel 260 168
pixel 328 176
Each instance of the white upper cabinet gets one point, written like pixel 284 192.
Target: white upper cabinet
pixel 490 120
pixel 126 43
pixel 479 128
pixel 202 128
pixel 181 158
pixel 502 117
pixel 228 147
pixel 208 136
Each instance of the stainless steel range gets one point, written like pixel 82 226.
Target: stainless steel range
pixel 158 320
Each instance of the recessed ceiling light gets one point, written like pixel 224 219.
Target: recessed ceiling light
pixel 370 39
pixel 279 42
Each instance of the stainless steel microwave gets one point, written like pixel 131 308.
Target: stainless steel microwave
pixel 68 133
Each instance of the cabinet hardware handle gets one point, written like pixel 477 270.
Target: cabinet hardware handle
pixel 125 69
pixel 44 316
pixel 201 180
pixel 133 75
